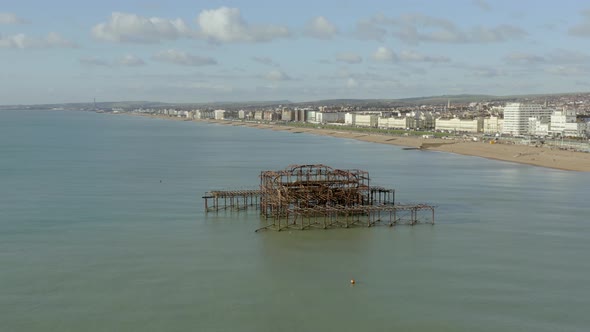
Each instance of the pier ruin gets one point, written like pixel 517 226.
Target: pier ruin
pixel 319 196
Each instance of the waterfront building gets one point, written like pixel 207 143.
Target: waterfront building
pixel 219 114
pixel 517 115
pixel 459 125
pixel 366 120
pixel 539 126
pixel 393 122
pixel 493 125
pixel 329 117
pixel 258 115
pixel 287 115
pixel 564 123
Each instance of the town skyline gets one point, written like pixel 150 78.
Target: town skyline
pixel 229 51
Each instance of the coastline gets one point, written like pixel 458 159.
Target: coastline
pixel 522 154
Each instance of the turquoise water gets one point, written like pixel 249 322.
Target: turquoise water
pixel 102 229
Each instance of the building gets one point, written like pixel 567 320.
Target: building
pixel 393 123
pixel 493 125
pixel 459 125
pixel 539 127
pixel 219 114
pixel 517 115
pixel 564 123
pixel 287 115
pixel 329 117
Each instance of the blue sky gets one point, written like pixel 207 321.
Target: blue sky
pixel 205 51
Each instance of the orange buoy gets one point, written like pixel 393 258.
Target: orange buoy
pixel 352 281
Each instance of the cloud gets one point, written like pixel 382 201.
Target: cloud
pixel 131 28
pixel 182 58
pixel 568 70
pixel 416 57
pixel 351 83
pixel 131 61
pixel 416 28
pixel 566 56
pixel 10 18
pixel 22 41
pixel 227 25
pixel 482 4
pixel 483 71
pixel 319 27
pixel 126 61
pixel 524 58
pixel 582 29
pixel 367 30
pixel 264 60
pixel 277 75
pixel 383 54
pixel 350 58
pixel 94 61
pixel 556 57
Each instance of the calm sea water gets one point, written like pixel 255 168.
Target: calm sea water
pixel 102 229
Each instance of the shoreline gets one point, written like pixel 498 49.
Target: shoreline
pixel 521 154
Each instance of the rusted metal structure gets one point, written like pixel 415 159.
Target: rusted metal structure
pixel 307 196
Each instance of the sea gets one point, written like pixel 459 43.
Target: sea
pixel 103 228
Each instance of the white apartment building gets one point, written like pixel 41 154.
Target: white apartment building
pixel 393 123
pixel 327 117
pixel 565 123
pixel 539 127
pixel 459 125
pixel 493 125
pixel 366 120
pixel 219 114
pixel 517 115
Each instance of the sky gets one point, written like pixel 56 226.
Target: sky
pixel 208 51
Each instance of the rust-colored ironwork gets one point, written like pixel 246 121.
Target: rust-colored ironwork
pixel 319 196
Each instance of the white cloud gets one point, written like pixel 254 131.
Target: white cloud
pixel 183 58
pixel 416 28
pixel 277 75
pixel 482 4
pixel 126 61
pixel 23 41
pixel 349 58
pixel 94 61
pixel 383 54
pixel 227 25
pixel 130 60
pixel 416 57
pixel 132 28
pixel 264 60
pixel 367 30
pixel 351 83
pixel 524 58
pixel 582 29
pixel 319 27
pixel 10 18
pixel 568 70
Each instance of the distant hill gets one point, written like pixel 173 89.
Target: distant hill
pixel 429 100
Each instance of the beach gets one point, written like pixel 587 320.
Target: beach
pixel 522 154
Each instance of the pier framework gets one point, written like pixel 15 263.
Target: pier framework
pixel 318 196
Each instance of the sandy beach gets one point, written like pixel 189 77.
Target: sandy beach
pixel 537 156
